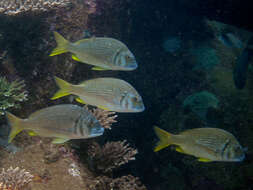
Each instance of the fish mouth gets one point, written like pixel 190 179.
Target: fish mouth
pixel 132 66
pixel 140 108
pixel 239 159
pixel 96 131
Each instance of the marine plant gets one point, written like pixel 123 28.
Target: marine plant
pixel 11 94
pixel 14 178
pixel 112 155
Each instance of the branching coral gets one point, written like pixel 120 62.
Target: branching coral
pixel 105 118
pixel 123 183
pixel 14 179
pixel 11 93
pixel 110 156
pixel 14 7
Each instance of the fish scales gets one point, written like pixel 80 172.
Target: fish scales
pixel 104 53
pixel 208 144
pixel 62 122
pixel 99 50
pixel 106 93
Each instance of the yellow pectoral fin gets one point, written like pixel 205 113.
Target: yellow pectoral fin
pixel 204 160
pixel 179 149
pixel 75 58
pixel 31 133
pixel 104 108
pixel 98 69
pixel 80 100
pixel 59 141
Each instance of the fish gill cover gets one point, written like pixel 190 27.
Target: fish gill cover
pixel 186 50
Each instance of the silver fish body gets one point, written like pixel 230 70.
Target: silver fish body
pixel 106 93
pixel 63 122
pixel 208 144
pixel 104 53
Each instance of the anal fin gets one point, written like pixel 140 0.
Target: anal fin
pixel 31 133
pixel 75 58
pixel 179 149
pixel 204 160
pixel 59 141
pixel 80 100
pixel 103 108
pixel 98 69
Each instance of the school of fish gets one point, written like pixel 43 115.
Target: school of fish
pixel 68 121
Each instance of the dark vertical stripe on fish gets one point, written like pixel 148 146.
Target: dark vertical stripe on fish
pixel 114 61
pixel 224 149
pixel 76 125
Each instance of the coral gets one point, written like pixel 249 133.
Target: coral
pixel 11 93
pixel 14 179
pixel 200 102
pixel 105 118
pixel 110 156
pixel 122 183
pixel 14 7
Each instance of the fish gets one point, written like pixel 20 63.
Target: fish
pixel 101 52
pixel 207 144
pixel 61 122
pixel 230 40
pixel 242 64
pixel 109 94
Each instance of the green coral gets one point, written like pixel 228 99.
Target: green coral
pixel 11 93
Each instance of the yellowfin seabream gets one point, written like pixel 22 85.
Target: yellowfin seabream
pixel 103 53
pixel 62 122
pixel 110 94
pixel 207 144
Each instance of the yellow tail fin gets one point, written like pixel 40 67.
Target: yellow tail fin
pixel 15 124
pixel 62 45
pixel 64 88
pixel 164 138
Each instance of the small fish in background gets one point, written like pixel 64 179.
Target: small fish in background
pixel 172 44
pixel 230 40
pixel 62 122
pixel 110 94
pixel 103 53
pixel 207 144
pixel 242 64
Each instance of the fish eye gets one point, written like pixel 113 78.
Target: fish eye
pixel 134 99
pixel 237 149
pixel 128 57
